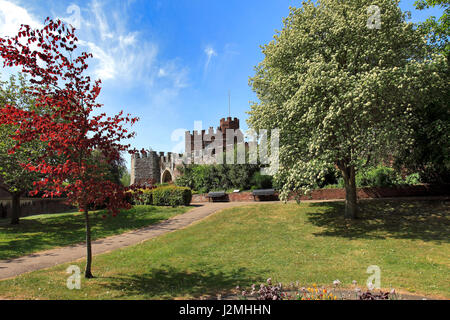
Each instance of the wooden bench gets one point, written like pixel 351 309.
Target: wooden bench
pixel 217 196
pixel 263 193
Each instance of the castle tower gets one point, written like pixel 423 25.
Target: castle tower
pixel 145 167
pixel 225 123
pixel 228 123
pixel 151 167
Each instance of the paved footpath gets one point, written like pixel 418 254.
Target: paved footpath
pixel 49 258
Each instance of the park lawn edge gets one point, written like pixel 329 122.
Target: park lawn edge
pixel 212 295
pixel 184 210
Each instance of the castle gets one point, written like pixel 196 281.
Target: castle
pixel 151 167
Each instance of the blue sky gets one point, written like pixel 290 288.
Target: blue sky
pixel 169 62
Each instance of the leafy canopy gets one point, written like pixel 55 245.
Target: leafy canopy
pixel 341 93
pixel 65 99
pixel 14 177
pixel 438 30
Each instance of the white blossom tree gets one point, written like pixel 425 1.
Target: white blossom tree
pixel 341 81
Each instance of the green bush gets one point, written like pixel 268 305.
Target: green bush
pixel 164 184
pixel 145 198
pixel 171 196
pixel 380 176
pixel 206 178
pixel 164 196
pixel 260 181
pixel 413 179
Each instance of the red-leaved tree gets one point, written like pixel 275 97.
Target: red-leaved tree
pixel 65 121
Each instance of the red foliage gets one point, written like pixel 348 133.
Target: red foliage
pixel 65 100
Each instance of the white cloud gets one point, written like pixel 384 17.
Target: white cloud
pixel 162 73
pixel 12 16
pixel 210 52
pixel 121 56
pixel 172 79
pixel 75 19
pixel 177 75
pixel 106 68
pixel 126 57
pixel 101 21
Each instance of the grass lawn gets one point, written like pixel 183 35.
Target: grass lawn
pixel 310 243
pixel 46 231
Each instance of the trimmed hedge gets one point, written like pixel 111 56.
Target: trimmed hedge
pixel 206 178
pixel 145 198
pixel 165 196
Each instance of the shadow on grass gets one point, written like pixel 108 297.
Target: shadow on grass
pixel 169 283
pixel 37 234
pixel 380 219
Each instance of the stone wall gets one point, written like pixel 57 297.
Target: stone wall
pixel 382 192
pixel 151 166
pixel 33 206
pixel 200 147
pixel 234 197
pixel 338 194
pixel 145 167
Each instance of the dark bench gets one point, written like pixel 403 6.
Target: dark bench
pixel 217 196
pixel 264 194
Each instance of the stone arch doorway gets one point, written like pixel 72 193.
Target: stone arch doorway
pixel 166 177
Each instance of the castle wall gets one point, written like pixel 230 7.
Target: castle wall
pixel 145 167
pixel 199 141
pixel 200 147
pixel 149 167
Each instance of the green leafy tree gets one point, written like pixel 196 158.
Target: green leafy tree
pixel 125 178
pixel 340 90
pixel 14 178
pixel 113 170
pixel 438 30
pixel 430 155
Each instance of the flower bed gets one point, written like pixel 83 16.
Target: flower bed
pixel 293 291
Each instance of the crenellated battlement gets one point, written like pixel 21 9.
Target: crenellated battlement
pixel 150 154
pixel 144 154
pixel 199 146
pixel 149 165
pixel 229 123
pixel 211 132
pixel 200 140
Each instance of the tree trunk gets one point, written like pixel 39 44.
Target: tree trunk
pixel 15 208
pixel 351 206
pixel 88 273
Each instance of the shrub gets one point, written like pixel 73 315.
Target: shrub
pixel 171 196
pixel 164 184
pixel 380 176
pixel 330 178
pixel 260 181
pixel 130 197
pixel 206 178
pixel 145 198
pixel 413 178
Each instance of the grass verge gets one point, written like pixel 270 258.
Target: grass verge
pixel 47 231
pixel 311 243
